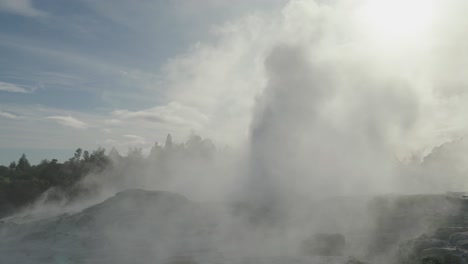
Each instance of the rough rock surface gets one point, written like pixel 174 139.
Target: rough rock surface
pixel 447 244
pixel 134 226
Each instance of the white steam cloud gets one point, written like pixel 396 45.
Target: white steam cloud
pixel 320 116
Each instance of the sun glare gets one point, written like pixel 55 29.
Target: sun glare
pixel 396 20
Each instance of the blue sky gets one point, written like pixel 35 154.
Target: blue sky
pixel 67 64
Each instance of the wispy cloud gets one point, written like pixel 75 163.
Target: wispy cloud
pixel 69 121
pixel 112 121
pixel 129 136
pixel 135 139
pixel 13 88
pixel 20 7
pixel 173 113
pixel 8 115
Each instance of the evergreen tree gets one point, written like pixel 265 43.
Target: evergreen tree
pixel 168 144
pixel 23 163
pixel 86 156
pixel 77 155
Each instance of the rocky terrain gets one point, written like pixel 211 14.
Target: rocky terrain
pixel 131 227
pixel 137 226
pixel 421 229
pixel 446 243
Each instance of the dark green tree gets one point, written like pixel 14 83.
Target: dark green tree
pixel 168 144
pixel 23 163
pixel 77 155
pixel 86 156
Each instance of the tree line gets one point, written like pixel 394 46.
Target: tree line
pixel 22 183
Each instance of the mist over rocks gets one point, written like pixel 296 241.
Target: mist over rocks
pixel 444 241
pixel 138 226
pixel 338 136
pixel 321 130
pixel 156 225
pixel 134 226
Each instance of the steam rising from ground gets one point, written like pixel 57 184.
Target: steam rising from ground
pixel 314 96
pixel 328 113
pixel 336 113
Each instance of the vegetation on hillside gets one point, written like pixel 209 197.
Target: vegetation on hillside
pixel 22 183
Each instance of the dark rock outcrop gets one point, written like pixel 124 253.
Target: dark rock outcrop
pixel 447 244
pixel 134 226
